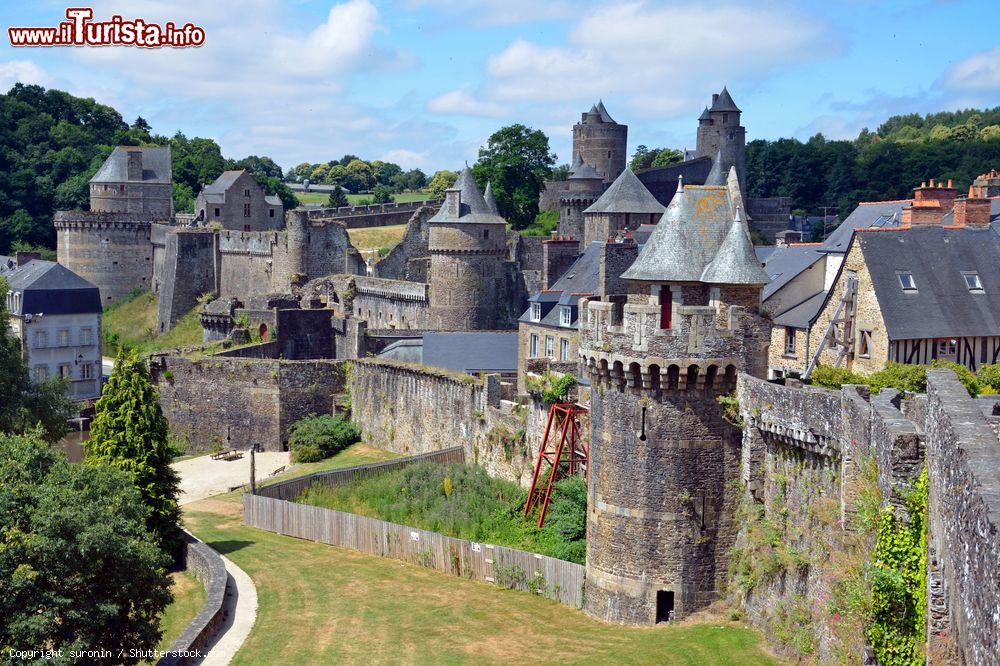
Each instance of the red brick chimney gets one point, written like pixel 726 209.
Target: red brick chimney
pixel 930 203
pixel 972 211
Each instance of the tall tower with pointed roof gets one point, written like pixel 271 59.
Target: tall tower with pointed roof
pixel 468 246
pixel 721 136
pixel 661 498
pixel 601 142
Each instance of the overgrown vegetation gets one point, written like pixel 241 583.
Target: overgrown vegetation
pixel 130 323
pixel 899 581
pixel 463 501
pixel 543 224
pixel 550 387
pixel 314 438
pixel 906 377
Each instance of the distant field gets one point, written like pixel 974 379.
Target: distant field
pixel 372 238
pixel 353 199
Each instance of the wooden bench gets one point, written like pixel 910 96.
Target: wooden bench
pixel 233 455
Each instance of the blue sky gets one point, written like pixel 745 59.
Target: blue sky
pixel 424 82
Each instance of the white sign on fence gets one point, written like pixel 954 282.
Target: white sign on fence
pixel 414 536
pixel 476 548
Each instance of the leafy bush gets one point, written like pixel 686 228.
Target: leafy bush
pixel 989 375
pixel 465 502
pixel 833 378
pixel 314 438
pixel 900 376
pixel 550 387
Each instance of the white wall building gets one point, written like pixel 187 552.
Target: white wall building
pixel 57 316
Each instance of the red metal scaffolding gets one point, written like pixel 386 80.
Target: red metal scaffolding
pixel 564 450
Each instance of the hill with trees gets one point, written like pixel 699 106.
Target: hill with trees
pixel 52 143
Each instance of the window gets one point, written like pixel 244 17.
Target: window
pixel 64 337
pixel 666 307
pixel 563 349
pixel 947 347
pixel 86 336
pixel 536 312
pixel 246 227
pixel 533 347
pixel 121 188
pixel 41 339
pixel 550 346
pixel 246 193
pixel 41 373
pixel 486 233
pixel 566 315
pixel 86 371
pixel 271 213
pixel 65 371
pixel 865 344
pixel 789 341
pixel 906 281
pixel 246 210
pixel 972 281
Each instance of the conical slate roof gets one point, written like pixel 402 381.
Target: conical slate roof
pixel 705 115
pixel 687 237
pixel 717 176
pixel 577 163
pixel 725 102
pixel 585 171
pixel 736 262
pixel 491 202
pixel 474 207
pixel 605 116
pixel 626 195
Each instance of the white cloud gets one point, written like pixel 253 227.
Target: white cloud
pixel 21 71
pixel 501 12
pixel 978 72
pixel 663 58
pixel 408 159
pixel 459 102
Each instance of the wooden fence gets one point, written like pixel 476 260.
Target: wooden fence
pixel 271 510
pixel 291 489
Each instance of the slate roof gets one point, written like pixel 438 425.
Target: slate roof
pixel 471 351
pixel 473 208
pixel 942 305
pixel 705 115
pixel 584 171
pixel 725 102
pixel 876 214
pixel 735 262
pixel 223 182
pixel 580 279
pixel 626 194
pixel 273 199
pixel 803 314
pixel 409 350
pixel 156 166
pixel 690 234
pixel 605 116
pixel 491 201
pixel 50 288
pixel 717 176
pixel 782 264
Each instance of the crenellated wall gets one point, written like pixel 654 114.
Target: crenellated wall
pixel 374 215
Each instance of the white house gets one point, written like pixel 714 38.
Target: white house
pixel 57 316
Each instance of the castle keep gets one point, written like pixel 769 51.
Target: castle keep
pixel 660 501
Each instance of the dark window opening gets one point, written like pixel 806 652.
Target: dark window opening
pixel 666 307
pixel 486 233
pixel 246 227
pixel 271 212
pixel 217 212
pixel 246 210
pixel 664 606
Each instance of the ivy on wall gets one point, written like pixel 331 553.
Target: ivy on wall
pixel 899 579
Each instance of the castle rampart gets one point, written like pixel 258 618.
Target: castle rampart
pixel 374 215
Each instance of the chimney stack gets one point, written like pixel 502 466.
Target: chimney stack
pixel 931 201
pixel 452 206
pixel 134 165
pixel 22 257
pixel 972 211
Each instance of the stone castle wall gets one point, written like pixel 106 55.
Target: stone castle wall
pixel 374 215
pixel 190 260
pixel 409 259
pixel 232 402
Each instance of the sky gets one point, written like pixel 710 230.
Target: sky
pixel 425 82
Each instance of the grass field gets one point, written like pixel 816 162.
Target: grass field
pixel 189 596
pixel 372 238
pixel 354 199
pixel 321 604
pixel 134 321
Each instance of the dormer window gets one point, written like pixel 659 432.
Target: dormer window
pixel 536 312
pixel 973 282
pixel 566 315
pixel 906 282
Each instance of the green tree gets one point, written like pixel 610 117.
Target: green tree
pixel 440 182
pixel 381 195
pixel 643 157
pixel 272 185
pixel 337 198
pixel 359 176
pixel 183 198
pixel 560 172
pixel 78 569
pixel 314 438
pixel 666 157
pixel 129 433
pixel 27 405
pixel 517 161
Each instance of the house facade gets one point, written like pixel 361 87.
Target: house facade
pixel 56 314
pixel 235 201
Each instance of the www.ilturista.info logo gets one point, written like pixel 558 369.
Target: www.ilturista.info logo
pixel 80 30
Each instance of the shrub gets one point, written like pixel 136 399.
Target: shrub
pixel 989 375
pixel 899 376
pixel 314 438
pixel 551 388
pixel 833 378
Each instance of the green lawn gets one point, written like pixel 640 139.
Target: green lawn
pixel 372 238
pixel 133 321
pixel 189 597
pixel 354 199
pixel 321 604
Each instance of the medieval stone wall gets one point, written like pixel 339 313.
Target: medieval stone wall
pixel 260 400
pixel 190 271
pixel 374 215
pixel 409 259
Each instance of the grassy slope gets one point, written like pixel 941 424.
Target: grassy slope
pixel 189 596
pixel 134 322
pixel 372 238
pixel 320 604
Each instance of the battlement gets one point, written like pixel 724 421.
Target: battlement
pixel 395 289
pixel 321 214
pixel 84 219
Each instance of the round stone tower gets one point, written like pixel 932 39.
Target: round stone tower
pixel 297 230
pixel 599 141
pixel 722 137
pixel 468 247
pixel 584 187
pixel 664 464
